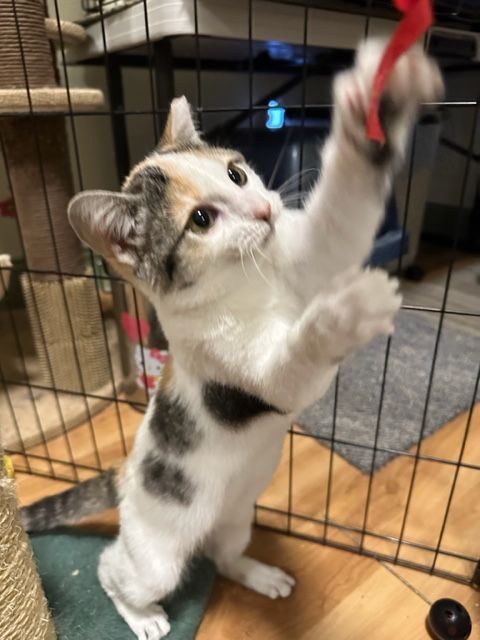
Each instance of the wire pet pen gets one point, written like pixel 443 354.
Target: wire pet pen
pixel 55 423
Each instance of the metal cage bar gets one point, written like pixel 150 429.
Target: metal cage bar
pixel 161 62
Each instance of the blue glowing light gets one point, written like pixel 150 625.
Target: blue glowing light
pixel 276 115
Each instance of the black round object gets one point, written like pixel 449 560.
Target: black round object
pixel 449 620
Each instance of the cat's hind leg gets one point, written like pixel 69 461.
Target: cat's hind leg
pixel 226 547
pixel 136 587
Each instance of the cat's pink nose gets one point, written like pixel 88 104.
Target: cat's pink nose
pixel 263 212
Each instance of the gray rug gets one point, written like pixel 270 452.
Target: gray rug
pixel 406 386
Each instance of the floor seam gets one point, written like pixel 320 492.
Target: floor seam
pixel 391 570
pixel 408 584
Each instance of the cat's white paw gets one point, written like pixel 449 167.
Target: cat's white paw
pixel 269 581
pixel 148 623
pixel 415 78
pixel 262 578
pixel 365 307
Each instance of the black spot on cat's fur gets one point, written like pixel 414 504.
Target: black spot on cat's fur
pixel 161 234
pixel 151 183
pixel 170 260
pixel 166 480
pixel 233 407
pixel 172 427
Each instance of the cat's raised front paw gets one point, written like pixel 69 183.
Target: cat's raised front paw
pixel 365 307
pixel 415 78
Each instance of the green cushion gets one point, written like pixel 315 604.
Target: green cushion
pixel 67 561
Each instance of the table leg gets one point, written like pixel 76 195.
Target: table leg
pixel 164 78
pixel 117 106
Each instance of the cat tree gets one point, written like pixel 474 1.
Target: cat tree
pixel 5 273
pixel 64 311
pixel 23 607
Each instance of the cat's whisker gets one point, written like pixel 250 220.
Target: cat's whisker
pixel 243 264
pixel 296 176
pixel 295 196
pixel 264 256
pixel 300 174
pixel 290 188
pixel 299 201
pixel 260 272
pixel 296 192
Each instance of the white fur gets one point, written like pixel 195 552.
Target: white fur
pixel 276 326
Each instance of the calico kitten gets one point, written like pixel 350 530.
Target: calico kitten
pixel 259 304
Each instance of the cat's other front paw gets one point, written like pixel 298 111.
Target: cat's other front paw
pixel 260 577
pixel 415 79
pixel 366 305
pixel 269 581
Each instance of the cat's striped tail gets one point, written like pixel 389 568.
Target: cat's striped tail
pixel 87 498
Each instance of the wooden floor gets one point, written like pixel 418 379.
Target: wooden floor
pixel 463 292
pixel 339 595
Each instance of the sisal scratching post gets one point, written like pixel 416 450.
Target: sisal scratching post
pixel 54 338
pixel 37 157
pixel 24 610
pixel 5 268
pixel 46 232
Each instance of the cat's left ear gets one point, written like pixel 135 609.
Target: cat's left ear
pixel 180 130
pixel 107 222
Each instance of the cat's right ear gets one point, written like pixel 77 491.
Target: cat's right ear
pixel 107 222
pixel 180 130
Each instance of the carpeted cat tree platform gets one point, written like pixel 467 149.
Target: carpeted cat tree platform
pixel 68 560
pixel 64 311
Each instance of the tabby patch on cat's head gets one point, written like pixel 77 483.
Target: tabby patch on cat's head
pixel 185 209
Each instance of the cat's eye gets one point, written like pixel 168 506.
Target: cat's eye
pixel 237 175
pixel 201 220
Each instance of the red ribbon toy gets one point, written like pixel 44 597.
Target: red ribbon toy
pixel 417 19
